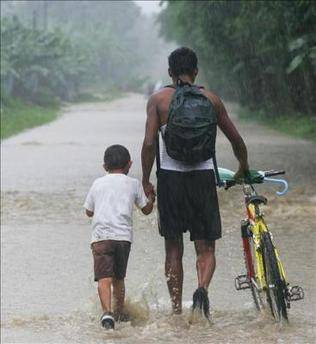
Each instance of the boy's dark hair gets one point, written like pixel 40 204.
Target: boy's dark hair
pixel 116 157
pixel 182 61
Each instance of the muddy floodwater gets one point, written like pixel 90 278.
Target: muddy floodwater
pixel 48 294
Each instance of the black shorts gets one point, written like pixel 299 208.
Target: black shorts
pixel 187 201
pixel 110 258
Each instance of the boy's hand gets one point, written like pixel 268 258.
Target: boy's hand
pixel 89 213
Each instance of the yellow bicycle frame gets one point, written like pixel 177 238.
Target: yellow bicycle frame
pixel 258 227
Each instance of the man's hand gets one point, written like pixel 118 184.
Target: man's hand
pixel 241 173
pixel 149 189
pixel 152 197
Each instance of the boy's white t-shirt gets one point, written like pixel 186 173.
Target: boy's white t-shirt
pixel 111 199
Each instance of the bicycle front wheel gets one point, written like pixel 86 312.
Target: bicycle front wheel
pixel 276 289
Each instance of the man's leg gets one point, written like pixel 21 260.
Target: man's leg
pixel 174 272
pixel 104 290
pixel 205 261
pixel 119 295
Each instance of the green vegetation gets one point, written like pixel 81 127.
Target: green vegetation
pixel 57 51
pixel 49 56
pixel 17 116
pixel 300 126
pixel 261 54
pixel 38 66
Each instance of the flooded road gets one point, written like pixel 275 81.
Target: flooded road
pixel 48 294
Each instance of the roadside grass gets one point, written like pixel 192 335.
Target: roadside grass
pixel 300 126
pixel 18 115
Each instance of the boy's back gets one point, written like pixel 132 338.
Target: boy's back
pixel 112 199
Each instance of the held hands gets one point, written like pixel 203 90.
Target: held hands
pixel 149 191
pixel 152 197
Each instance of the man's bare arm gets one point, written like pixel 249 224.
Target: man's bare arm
pixel 230 131
pixel 149 144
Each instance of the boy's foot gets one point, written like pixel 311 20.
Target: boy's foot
pixel 107 321
pixel 201 302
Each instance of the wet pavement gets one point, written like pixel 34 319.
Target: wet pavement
pixel 48 294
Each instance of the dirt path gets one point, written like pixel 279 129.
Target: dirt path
pixel 48 295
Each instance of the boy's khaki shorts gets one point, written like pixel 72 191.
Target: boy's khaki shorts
pixel 110 258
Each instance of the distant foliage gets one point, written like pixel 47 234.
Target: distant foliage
pixel 38 66
pixel 51 49
pixel 260 53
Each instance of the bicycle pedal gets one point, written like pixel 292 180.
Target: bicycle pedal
pixel 295 293
pixel 242 282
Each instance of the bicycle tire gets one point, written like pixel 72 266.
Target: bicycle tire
pixel 256 294
pixel 275 285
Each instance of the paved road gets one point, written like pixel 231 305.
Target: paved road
pixel 47 290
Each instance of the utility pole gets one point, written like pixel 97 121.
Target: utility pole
pixel 34 21
pixel 45 5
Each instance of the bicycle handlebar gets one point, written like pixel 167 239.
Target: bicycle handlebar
pixel 279 181
pixel 273 173
pixel 265 177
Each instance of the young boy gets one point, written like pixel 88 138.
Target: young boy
pixel 110 202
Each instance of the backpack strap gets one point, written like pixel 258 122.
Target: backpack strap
pixel 172 86
pixel 181 83
pixel 218 179
pixel 157 154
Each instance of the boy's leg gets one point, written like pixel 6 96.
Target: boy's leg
pixel 104 290
pixel 119 295
pixel 103 255
pixel 121 259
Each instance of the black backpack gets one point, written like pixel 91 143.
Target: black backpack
pixel 191 129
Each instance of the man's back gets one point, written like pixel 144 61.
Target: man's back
pixel 162 100
pixel 186 201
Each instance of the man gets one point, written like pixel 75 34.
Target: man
pixel 187 198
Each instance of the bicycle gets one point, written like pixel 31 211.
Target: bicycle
pixel 265 272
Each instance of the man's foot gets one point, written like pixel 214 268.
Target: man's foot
pixel 121 316
pixel 201 302
pixel 107 321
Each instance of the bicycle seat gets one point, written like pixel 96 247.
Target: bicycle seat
pixel 257 200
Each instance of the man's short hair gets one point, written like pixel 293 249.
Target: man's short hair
pixel 182 61
pixel 116 157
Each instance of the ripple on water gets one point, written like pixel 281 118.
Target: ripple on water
pixel 157 326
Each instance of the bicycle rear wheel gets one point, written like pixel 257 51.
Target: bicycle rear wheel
pixel 255 291
pixel 276 289
pixel 249 256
